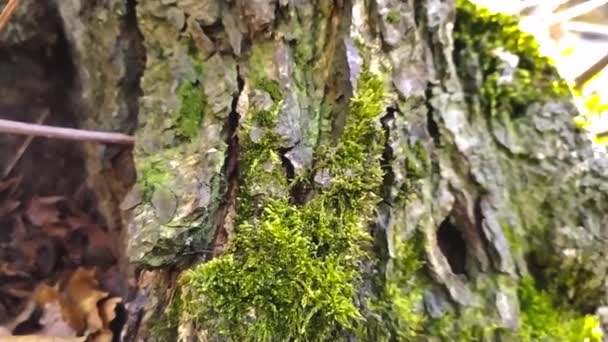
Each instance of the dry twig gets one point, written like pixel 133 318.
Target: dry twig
pixel 574 11
pixel 7 12
pixel 593 70
pixel 14 127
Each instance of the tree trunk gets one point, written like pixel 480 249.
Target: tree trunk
pixel 375 170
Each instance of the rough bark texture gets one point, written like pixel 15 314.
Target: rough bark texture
pixel 482 190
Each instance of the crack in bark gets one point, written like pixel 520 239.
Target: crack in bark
pixel 431 124
pixel 226 214
pixel 380 246
pixel 387 154
pixel 134 56
pixel 298 190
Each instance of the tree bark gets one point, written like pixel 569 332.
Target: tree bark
pixel 488 218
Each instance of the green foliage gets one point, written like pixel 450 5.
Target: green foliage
pixel 190 114
pixel 480 35
pixel 595 104
pixel 292 272
pixel 542 321
pixel 591 107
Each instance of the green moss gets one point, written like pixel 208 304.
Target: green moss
pixel 188 117
pixel 397 305
pixel 542 321
pixel 153 171
pixel 262 173
pixel 192 98
pixel 292 272
pixel 164 326
pixel 518 244
pixel 195 57
pixel 261 60
pixel 263 118
pixel 418 162
pixel 478 35
pixel 271 87
pixel 469 324
pixel 393 16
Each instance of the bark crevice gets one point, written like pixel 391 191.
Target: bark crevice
pixel 226 214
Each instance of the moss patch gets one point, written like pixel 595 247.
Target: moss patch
pixel 418 162
pixel 153 171
pixel 541 320
pixel 192 98
pixel 393 16
pixel 480 35
pixel 271 87
pixel 292 272
pixel 190 114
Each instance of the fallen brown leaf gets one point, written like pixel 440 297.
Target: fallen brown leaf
pixel 102 336
pixel 82 296
pixel 43 210
pixel 46 294
pixel 58 230
pixel 108 310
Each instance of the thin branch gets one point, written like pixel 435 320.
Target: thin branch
pixel 575 11
pixel 26 143
pixel 583 27
pixel 14 127
pixel 593 70
pixel 7 12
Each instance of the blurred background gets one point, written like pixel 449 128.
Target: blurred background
pixel 575 35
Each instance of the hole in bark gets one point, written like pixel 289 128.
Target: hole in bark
pixel 288 167
pixel 298 191
pixel 452 245
pixel 60 221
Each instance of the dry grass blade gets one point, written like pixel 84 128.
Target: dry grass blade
pixel 7 12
